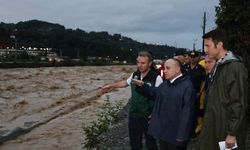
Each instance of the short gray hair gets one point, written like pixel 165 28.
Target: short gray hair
pixel 146 54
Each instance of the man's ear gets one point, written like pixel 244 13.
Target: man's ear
pixel 178 71
pixel 150 63
pixel 220 45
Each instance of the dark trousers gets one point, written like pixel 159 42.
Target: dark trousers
pixel 138 127
pixel 167 146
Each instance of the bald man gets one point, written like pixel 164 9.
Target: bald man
pixel 173 113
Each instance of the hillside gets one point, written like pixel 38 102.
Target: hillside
pixel 73 43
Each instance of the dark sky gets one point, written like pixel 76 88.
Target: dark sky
pixel 172 22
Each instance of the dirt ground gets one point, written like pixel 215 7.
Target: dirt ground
pixel 54 103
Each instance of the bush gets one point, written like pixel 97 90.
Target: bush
pixel 106 117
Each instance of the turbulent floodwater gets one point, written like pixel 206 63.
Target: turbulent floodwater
pixel 55 102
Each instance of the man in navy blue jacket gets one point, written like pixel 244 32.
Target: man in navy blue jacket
pixel 173 113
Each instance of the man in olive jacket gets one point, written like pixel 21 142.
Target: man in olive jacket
pixel 225 116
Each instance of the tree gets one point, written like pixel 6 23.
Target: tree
pixel 233 16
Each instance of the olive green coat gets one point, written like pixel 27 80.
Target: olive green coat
pixel 226 105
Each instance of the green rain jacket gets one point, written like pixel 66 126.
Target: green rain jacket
pixel 226 105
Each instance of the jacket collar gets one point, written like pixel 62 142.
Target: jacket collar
pixel 229 57
pixel 177 80
pixel 172 80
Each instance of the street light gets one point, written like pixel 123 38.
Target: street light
pixel 14 37
pixel 194 44
pixel 15 51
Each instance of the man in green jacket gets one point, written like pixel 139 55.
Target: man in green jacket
pixel 140 106
pixel 225 116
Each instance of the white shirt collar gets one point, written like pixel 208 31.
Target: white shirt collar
pixel 172 80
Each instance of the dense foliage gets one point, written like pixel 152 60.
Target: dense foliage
pixel 233 16
pixel 75 43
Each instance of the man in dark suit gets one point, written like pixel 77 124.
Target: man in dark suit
pixel 173 114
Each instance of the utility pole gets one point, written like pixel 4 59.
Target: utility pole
pixel 15 49
pixel 6 53
pixel 204 30
pixel 194 47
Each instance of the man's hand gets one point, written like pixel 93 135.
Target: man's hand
pixel 137 82
pixel 230 141
pixel 181 142
pixel 149 119
pixel 105 89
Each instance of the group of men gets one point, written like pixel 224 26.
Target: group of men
pixel 167 112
